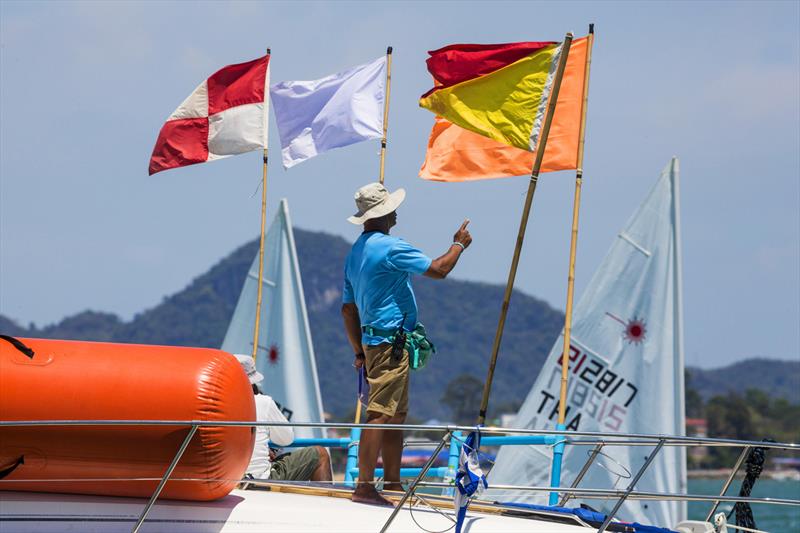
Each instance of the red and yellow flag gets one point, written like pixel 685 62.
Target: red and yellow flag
pixel 489 98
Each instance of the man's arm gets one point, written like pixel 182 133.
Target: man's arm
pixel 352 326
pixel 278 435
pixel 441 266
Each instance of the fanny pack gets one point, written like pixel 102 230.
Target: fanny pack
pixel 418 345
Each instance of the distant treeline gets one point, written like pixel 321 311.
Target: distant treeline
pixel 748 415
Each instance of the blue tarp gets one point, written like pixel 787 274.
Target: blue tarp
pixel 586 515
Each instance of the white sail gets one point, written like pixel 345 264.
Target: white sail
pixel 626 371
pixel 285 353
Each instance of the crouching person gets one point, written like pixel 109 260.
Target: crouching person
pixel 303 464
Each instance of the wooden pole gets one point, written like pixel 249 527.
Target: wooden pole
pixel 562 405
pixel 537 164
pixel 357 420
pixel 386 109
pixel 261 246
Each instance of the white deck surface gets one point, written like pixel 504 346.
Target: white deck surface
pixel 240 511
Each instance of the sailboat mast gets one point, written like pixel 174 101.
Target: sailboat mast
pixel 680 362
pixel 301 298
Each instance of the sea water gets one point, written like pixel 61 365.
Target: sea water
pixel 772 518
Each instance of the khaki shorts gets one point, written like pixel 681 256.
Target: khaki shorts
pixel 295 466
pixel 388 380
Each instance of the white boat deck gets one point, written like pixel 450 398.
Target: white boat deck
pixel 242 511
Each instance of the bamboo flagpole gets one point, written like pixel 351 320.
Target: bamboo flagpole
pixel 265 159
pixel 381 174
pixel 386 109
pixel 357 419
pixel 551 107
pixel 562 404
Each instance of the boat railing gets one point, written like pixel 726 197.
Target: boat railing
pixel 453 435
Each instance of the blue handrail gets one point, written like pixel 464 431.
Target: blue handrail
pixel 448 472
pixel 407 472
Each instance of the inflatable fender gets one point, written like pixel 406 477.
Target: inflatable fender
pixel 74 380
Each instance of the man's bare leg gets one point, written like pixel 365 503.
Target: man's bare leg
pixel 323 470
pixel 392 452
pixel 368 449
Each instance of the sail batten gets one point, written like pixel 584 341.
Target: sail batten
pixel 285 354
pixel 625 370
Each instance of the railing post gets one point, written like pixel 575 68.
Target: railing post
pixel 164 479
pixel 633 483
pixel 352 457
pixel 452 461
pixel 586 465
pixel 410 490
pixel 728 482
pixel 558 455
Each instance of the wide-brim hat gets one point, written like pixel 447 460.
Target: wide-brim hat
pixel 249 366
pixel 374 201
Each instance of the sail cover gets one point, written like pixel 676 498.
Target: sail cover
pixel 285 353
pixel 625 371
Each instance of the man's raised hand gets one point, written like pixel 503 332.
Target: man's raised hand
pixel 462 235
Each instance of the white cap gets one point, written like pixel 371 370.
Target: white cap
pixel 249 366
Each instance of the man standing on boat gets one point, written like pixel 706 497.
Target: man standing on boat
pixel 377 303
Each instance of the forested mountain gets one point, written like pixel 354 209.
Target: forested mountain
pixel 779 379
pixel 460 316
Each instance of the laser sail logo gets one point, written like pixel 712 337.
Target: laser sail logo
pixel 274 353
pixel 635 329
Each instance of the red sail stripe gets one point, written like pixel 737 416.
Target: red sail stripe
pixel 460 62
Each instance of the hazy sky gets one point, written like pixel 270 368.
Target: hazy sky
pixel 85 87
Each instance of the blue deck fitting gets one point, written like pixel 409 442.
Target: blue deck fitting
pixel 352 457
pixel 456 439
pixel 558 454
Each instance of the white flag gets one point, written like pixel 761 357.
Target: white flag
pixel 338 110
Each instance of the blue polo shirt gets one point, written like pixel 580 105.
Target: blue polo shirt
pixel 377 278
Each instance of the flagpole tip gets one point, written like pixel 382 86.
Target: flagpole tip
pixel 389 51
pixel 269 51
pixel 591 28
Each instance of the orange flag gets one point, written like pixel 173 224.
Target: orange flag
pixel 456 154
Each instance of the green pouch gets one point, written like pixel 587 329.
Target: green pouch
pixel 419 347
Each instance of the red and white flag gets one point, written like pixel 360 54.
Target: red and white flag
pixel 226 115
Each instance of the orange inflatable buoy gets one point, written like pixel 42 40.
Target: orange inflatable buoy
pixel 73 380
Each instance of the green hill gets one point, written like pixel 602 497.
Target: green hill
pixel 779 379
pixel 461 317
